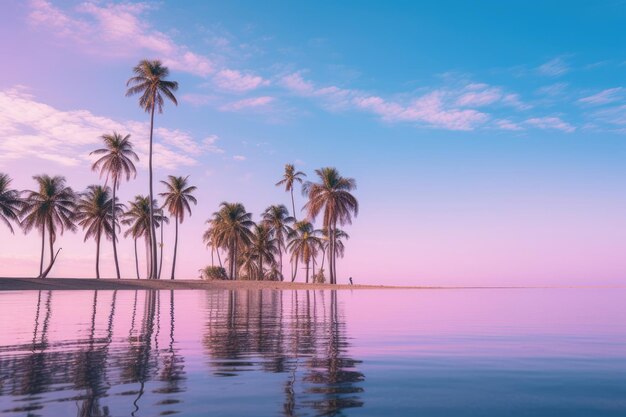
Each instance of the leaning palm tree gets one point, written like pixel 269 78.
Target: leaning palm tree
pixel 263 247
pixel 10 202
pixel 137 218
pixel 278 219
pixel 332 197
pixel 116 163
pixel 290 177
pixel 177 198
pixel 229 228
pixel 96 212
pixel 150 81
pixel 304 245
pixel 52 208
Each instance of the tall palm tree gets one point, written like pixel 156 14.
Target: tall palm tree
pixel 332 197
pixel 10 202
pixel 96 212
pixel 340 248
pixel 51 207
pixel 304 245
pixel 291 176
pixel 263 246
pixel 177 198
pixel 229 228
pixel 150 81
pixel 116 163
pixel 278 219
pixel 137 218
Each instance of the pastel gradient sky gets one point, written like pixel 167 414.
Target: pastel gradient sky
pixel 487 138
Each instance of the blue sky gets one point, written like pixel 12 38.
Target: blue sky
pixel 487 138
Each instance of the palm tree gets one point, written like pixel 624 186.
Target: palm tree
pixel 137 217
pixel 96 212
pixel 340 248
pixel 278 219
pixel 290 177
pixel 304 245
pixel 51 207
pixel 150 81
pixel 116 162
pixel 263 246
pixel 332 197
pixel 177 199
pixel 229 228
pixel 10 202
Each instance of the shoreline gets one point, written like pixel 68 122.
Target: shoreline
pixel 34 284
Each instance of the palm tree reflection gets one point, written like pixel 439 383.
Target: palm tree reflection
pixel 247 331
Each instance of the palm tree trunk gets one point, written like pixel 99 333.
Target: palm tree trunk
pixel 280 259
pixel 295 271
pixel 235 269
pixel 293 204
pixel 219 258
pixel 161 248
pixel 260 277
pixel 212 256
pixel 307 271
pixel 176 247
pixel 117 264
pixel 43 246
pixel 153 250
pixel 331 258
pixel 136 259
pixel 51 242
pixel 98 255
pixel 148 260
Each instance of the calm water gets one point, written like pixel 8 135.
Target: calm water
pixel 313 353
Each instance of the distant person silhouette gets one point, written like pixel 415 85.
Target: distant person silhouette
pixel 350 281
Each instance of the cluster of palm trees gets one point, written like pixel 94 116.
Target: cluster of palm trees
pixel 252 250
pixel 54 207
pixel 255 250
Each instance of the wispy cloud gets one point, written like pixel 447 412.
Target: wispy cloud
pixel 609 95
pixel 505 124
pixel 239 158
pixel 31 129
pixel 119 29
pixel 551 122
pixel 248 103
pixel 554 68
pixel 237 81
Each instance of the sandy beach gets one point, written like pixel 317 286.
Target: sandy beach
pixel 14 284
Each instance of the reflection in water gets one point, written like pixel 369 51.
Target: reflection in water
pixel 308 343
pixel 120 362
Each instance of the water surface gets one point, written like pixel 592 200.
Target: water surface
pixel 313 353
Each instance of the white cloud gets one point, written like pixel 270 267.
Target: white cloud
pixel 554 68
pixel 239 158
pixel 609 95
pixel 30 129
pixel 551 122
pixel 505 124
pixel 208 144
pixel 248 103
pixel 237 81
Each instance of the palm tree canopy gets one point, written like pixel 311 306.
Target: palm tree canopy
pixel 178 196
pixel 10 202
pixel 94 212
pixel 231 223
pixel 150 80
pixel 332 195
pixel 263 243
pixel 53 204
pixel 290 176
pixel 304 242
pixel 278 219
pixel 117 157
pixel 137 217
